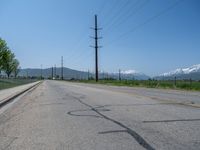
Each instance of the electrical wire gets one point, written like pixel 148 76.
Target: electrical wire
pixel 128 15
pixel 147 21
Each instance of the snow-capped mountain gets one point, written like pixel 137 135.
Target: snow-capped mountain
pixel 192 72
pixel 130 72
pixel 130 75
pixel 192 69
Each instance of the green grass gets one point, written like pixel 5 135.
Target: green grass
pixel 180 84
pixel 9 83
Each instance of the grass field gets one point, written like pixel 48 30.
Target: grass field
pixel 180 84
pixel 8 83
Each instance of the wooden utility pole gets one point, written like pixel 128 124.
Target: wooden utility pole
pixel 175 80
pixel 88 74
pixel 52 72
pixel 119 75
pixel 62 68
pixel 41 71
pixel 96 48
pixel 55 71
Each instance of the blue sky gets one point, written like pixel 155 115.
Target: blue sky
pixel 41 31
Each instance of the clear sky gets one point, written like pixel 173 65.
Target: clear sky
pixel 151 36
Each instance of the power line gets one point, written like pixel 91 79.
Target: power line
pixel 111 10
pixel 128 15
pixel 70 57
pixel 120 13
pixel 102 7
pixel 147 21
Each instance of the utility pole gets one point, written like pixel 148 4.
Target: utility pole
pixel 190 82
pixel 119 75
pixel 27 74
pixel 41 71
pixel 88 74
pixel 52 72
pixel 175 80
pixel 62 68
pixel 55 71
pixel 107 75
pixel 96 48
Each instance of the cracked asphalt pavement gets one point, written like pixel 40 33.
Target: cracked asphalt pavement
pixel 60 115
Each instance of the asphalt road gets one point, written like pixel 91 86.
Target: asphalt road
pixel 70 116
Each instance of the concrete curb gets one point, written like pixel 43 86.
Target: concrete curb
pixel 12 97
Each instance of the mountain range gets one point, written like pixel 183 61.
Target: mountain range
pixel 192 72
pixel 70 74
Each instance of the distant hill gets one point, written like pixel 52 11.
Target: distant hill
pixel 70 73
pixel 192 72
pixel 46 73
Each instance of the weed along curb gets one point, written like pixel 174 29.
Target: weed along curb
pixel 12 97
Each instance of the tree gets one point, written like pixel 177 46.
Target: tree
pixel 7 62
pixel 16 67
pixel 3 48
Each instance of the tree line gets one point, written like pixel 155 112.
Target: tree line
pixel 8 63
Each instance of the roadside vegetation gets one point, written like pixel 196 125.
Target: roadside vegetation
pixel 9 68
pixel 164 84
pixel 8 63
pixel 9 83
